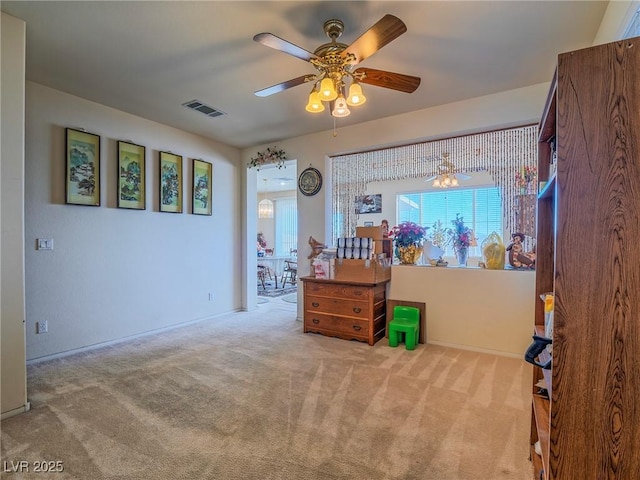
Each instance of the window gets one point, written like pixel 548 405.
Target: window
pixel 286 217
pixel 481 209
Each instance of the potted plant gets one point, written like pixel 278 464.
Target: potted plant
pixel 408 238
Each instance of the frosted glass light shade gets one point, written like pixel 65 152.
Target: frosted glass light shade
pixel 356 97
pixel 327 90
pixel 314 105
pixel 341 109
pixel 265 208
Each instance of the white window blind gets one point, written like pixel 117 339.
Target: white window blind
pixel 286 216
pixel 480 208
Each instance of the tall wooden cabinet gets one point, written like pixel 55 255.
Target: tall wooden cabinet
pixel 588 244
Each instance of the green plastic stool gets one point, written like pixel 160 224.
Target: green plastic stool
pixel 406 320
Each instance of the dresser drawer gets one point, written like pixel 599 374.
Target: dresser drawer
pixel 337 290
pixel 346 326
pixel 337 306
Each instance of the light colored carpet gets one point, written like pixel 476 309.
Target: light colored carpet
pixel 291 298
pixel 250 396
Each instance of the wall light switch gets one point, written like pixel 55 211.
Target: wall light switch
pixel 45 244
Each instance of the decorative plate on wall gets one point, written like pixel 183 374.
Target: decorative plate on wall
pixel 310 181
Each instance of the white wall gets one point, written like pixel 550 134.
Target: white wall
pixel 14 376
pixel 116 272
pixel 471 308
pixel 617 17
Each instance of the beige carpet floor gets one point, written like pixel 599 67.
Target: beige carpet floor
pixel 250 396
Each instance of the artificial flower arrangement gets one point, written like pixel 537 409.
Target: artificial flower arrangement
pixel 408 233
pixel 438 235
pixel 269 156
pixel 460 235
pixel 526 176
pixel 408 238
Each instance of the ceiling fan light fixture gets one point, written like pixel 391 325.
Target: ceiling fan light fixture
pixel 334 62
pixel 341 109
pixel 315 104
pixel 327 90
pixel 454 181
pixel 356 97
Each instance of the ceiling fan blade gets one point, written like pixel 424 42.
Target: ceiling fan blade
pixel 294 82
pixel 388 28
pixel 273 41
pixel 432 177
pixel 462 176
pixel 395 81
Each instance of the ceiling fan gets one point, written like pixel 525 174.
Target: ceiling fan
pixel 335 65
pixel 448 175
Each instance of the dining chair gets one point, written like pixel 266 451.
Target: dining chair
pixel 289 273
pixel 262 275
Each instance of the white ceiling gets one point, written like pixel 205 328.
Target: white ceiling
pixel 273 179
pixel 148 58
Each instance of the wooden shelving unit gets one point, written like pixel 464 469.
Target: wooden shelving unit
pixel 587 233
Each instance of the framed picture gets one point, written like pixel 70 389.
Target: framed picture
pixel 131 176
pixel 170 182
pixel 369 204
pixel 202 187
pixel 368 224
pixel 82 179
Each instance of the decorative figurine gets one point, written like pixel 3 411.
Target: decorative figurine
pixel 385 228
pixel 316 248
pixel 518 258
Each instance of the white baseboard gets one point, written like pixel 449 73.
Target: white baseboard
pixel 478 349
pixel 16 411
pixel 108 343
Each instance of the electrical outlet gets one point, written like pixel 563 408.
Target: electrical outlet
pixel 42 326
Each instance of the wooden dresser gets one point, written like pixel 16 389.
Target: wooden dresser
pixel 348 310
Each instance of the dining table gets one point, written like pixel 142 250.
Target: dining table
pixel 275 264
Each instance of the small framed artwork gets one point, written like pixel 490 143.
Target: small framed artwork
pixel 369 204
pixel 368 224
pixel 202 187
pixel 131 176
pixel 82 179
pixel 170 182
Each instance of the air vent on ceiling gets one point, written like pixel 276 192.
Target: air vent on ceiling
pixel 203 108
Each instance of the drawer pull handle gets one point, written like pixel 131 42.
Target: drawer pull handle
pixel 357 309
pixel 315 304
pixel 316 321
pixel 357 328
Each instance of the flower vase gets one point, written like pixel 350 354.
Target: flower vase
pixel 461 255
pixel 410 254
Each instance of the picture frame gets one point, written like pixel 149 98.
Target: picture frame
pixel 170 178
pixel 82 177
pixel 131 176
pixel 369 204
pixel 202 192
pixel 368 224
